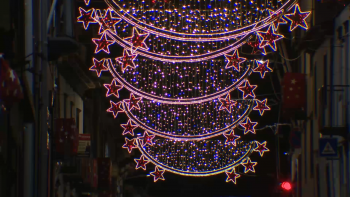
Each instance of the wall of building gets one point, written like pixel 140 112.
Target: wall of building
pixel 65 90
pixel 322 72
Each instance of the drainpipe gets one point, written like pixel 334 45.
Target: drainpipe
pixel 331 96
pixel 29 134
pixel 43 63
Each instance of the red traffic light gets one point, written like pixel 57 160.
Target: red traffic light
pixel 286 186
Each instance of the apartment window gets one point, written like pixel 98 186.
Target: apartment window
pixel 311 139
pixel 318 180
pixel 299 175
pixel 71 109
pixel 305 152
pixel 340 32
pixel 346 27
pixel 77 118
pixel 325 64
pixel 65 105
pixel 315 89
pixel 341 166
pixel 328 179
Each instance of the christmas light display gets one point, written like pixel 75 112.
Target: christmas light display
pixel 187 78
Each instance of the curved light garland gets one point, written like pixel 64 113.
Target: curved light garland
pixel 153 160
pixel 178 101
pixel 192 137
pixel 138 45
pixel 195 58
pixel 195 37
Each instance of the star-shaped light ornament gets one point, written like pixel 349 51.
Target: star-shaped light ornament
pixel 113 88
pixel 261 148
pixel 277 18
pixel 255 44
pixel 133 102
pixel 129 144
pixel 269 38
pixel 141 163
pixel 248 126
pixel 261 106
pixel 107 22
pixel 127 60
pixel 102 44
pixel 227 103
pixel 99 66
pixel 248 90
pixel 249 165
pixel 158 174
pixel 147 139
pixel 234 60
pixel 87 2
pixel 297 18
pixel 86 17
pixel 231 138
pixel 232 176
pixel 137 40
pixel 262 67
pixel 128 128
pixel 115 108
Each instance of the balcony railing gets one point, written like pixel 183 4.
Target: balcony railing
pixel 333 110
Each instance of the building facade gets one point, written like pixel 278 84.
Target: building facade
pixel 324 59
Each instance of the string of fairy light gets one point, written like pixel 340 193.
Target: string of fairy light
pixel 188 120
pixel 205 155
pixel 181 80
pixel 187 81
pixel 193 17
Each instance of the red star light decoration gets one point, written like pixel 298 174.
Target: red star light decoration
pixel 278 19
pixel 232 176
pixel 129 144
pixel 262 67
pixel 255 44
pixel 158 174
pixel 261 148
pixel 231 138
pixel 248 126
pixel 113 88
pixel 248 90
pixel 249 165
pixel 141 163
pixel 137 40
pixel 234 60
pixel 261 106
pixel 127 60
pixel 99 66
pixel 128 128
pixel 269 37
pixel 297 18
pixel 115 108
pixel 107 22
pixel 147 139
pixel 133 102
pixel 86 17
pixel 227 103
pixel 102 44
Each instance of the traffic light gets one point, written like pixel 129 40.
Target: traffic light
pixel 286 186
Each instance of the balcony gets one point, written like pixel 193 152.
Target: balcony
pixel 333 110
pixel 314 36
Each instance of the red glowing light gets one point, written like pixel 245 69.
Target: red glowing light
pixel 286 186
